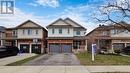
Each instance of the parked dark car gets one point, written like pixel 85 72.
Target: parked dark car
pixel 126 50
pixel 6 51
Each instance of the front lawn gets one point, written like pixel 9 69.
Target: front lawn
pixel 85 59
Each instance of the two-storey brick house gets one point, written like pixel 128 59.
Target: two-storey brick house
pixel 65 35
pixel 29 37
pixel 109 37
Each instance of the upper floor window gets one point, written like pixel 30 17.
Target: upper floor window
pixel 23 31
pixel 14 33
pixel 104 33
pixel 36 31
pixel 113 31
pixel 77 32
pixel 0 34
pixel 60 31
pixel 29 31
pixel 126 31
pixel 53 31
pixel 68 30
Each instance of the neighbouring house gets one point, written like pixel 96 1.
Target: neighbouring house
pixel 10 39
pixel 2 35
pixel 109 37
pixel 65 36
pixel 29 37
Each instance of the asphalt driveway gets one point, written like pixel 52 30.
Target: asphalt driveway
pixel 68 59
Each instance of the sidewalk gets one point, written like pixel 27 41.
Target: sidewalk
pixel 108 68
pixel 8 60
pixel 62 69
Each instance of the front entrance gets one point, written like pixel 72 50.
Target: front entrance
pixel 103 44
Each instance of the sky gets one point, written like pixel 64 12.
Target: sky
pixel 44 12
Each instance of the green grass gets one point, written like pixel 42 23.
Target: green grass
pixel 18 63
pixel 85 59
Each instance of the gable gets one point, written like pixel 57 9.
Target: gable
pixel 72 23
pixel 29 24
pixel 60 22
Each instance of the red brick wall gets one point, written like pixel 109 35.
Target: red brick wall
pixel 60 41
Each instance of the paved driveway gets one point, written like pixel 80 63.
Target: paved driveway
pixel 55 60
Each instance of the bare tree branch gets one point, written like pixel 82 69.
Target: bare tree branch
pixel 123 8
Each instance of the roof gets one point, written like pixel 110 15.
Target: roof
pixel 124 25
pixel 60 19
pixel 100 27
pixel 19 26
pixel 74 22
pixel 106 27
pixel 2 29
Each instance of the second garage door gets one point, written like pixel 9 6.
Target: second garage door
pixel 118 45
pixel 36 48
pixel 66 48
pixel 24 48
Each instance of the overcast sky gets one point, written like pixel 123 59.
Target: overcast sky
pixel 45 12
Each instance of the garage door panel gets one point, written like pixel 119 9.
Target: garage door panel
pixel 66 48
pixel 55 48
pixel 118 45
pixel 24 48
pixel 36 48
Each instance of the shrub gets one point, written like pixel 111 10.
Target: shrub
pixel 118 51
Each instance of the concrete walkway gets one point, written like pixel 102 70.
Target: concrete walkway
pixel 68 59
pixel 62 69
pixel 11 59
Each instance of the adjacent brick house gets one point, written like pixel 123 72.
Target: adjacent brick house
pixel 29 37
pixel 110 37
pixel 64 36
